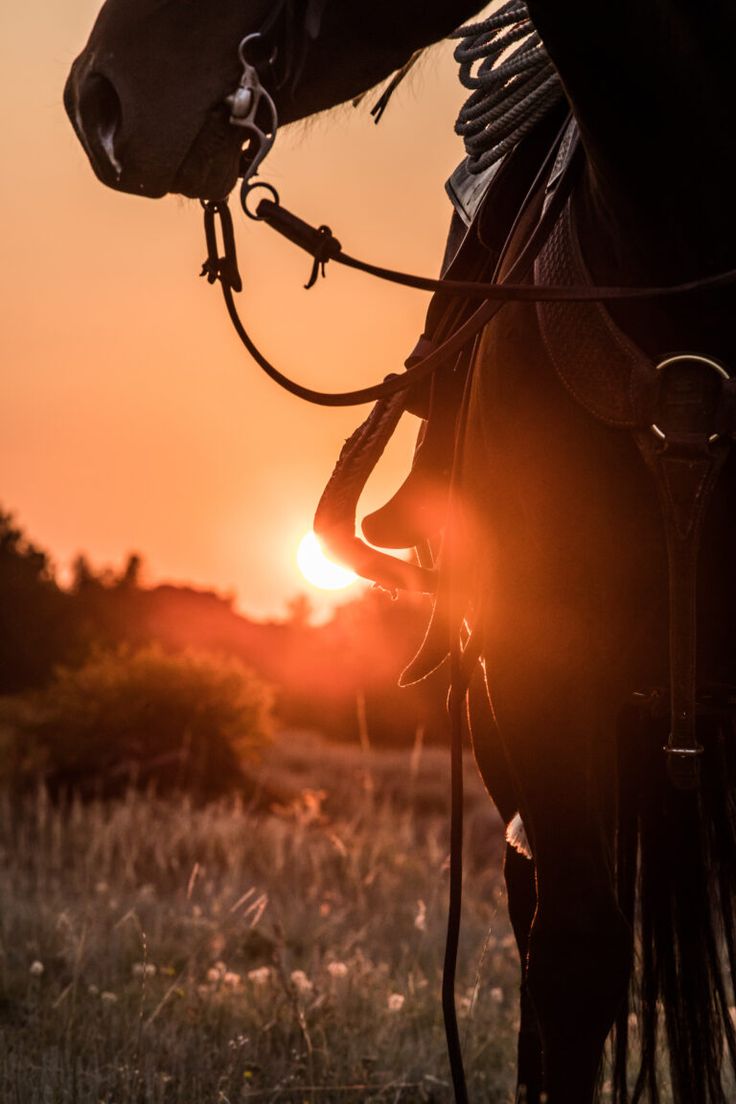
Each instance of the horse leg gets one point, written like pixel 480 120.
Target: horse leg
pixel 492 762
pixel 578 944
pixel 554 703
pixel 522 900
pixel 580 953
pixel 571 573
pixel 576 947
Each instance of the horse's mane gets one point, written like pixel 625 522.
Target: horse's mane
pixel 503 62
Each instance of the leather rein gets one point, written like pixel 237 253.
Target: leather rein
pixel 254 112
pixel 323 246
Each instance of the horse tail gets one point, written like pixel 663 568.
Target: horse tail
pixel 676 883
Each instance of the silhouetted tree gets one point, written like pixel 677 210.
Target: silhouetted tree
pixel 35 614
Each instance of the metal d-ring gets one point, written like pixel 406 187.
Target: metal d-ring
pixel 709 363
pixel 246 188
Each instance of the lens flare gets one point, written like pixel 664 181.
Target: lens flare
pixel 318 569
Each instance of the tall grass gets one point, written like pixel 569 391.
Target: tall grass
pixel 159 952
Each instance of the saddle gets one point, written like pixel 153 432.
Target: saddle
pixel 485 208
pixel 680 411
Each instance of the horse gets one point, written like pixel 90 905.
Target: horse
pixel 566 546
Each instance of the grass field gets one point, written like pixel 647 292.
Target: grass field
pixel 157 952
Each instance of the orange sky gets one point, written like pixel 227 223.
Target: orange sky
pixel 132 420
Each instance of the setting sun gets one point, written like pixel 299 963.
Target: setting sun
pixel 318 569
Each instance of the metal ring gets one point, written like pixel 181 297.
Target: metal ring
pixel 245 191
pixel 709 363
pixel 244 43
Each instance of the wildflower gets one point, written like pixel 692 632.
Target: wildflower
pixel 231 978
pixel 420 920
pixel 497 995
pixel 337 969
pixel 301 982
pixel 260 976
pixel 217 972
pixel 93 990
pixel 36 968
pixel 109 998
pixel 144 969
pixel 395 1002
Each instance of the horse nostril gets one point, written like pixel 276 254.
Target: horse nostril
pixel 99 116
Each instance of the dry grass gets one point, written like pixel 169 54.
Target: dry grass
pixel 155 952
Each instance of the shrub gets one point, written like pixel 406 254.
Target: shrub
pixel 181 721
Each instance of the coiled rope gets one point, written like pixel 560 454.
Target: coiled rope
pixel 512 80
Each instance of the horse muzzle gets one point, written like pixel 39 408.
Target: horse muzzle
pixel 197 156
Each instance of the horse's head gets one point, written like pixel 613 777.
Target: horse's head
pixel 147 95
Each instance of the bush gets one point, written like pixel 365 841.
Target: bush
pixel 182 721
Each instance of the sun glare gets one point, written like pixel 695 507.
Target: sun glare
pixel 318 569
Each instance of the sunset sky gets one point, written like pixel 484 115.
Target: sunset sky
pixel 132 419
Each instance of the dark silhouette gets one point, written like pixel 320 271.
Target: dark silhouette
pixel 566 566
pixel 34 612
pixel 323 675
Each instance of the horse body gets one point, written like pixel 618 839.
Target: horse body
pixel 567 550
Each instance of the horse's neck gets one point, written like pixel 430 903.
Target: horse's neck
pixel 360 44
pixel 652 83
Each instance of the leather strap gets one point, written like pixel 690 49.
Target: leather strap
pixel 681 413
pixel 685 463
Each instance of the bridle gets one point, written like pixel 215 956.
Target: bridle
pixel 254 111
